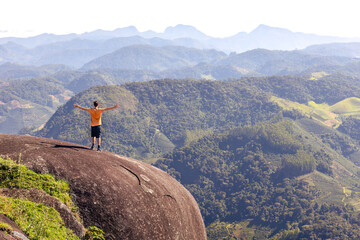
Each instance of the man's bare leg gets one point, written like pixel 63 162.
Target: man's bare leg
pixel 99 142
pixel 93 143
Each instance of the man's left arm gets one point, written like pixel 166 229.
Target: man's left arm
pixel 110 108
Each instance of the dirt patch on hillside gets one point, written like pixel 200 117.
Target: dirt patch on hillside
pixel 340 170
pixel 126 198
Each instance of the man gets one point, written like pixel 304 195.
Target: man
pixel 95 114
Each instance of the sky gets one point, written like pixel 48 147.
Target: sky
pixel 216 18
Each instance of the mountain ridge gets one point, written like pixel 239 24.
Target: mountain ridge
pixel 77 49
pixel 178 31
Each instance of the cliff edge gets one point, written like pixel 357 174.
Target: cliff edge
pixel 126 198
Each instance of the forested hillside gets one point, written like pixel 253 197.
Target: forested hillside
pixel 155 116
pixel 257 153
pixel 327 89
pixel 30 103
pixel 319 78
pixel 275 180
pixel 168 113
pixel 28 99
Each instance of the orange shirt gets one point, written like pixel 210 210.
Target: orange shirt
pixel 95 116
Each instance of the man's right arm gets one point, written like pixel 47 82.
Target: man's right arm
pixel 77 106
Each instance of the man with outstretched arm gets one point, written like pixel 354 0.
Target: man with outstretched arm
pixel 95 114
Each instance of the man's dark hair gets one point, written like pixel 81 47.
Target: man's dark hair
pixel 96 103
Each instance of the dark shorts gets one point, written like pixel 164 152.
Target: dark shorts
pixel 95 131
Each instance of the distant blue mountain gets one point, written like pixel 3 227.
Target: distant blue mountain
pixel 263 36
pixel 77 49
pixel 184 31
pixel 145 57
pixel 335 49
pixel 117 33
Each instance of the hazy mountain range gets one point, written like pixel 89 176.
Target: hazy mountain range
pixel 271 151
pixel 64 68
pixel 78 49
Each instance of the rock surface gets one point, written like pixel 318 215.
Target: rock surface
pixel 126 198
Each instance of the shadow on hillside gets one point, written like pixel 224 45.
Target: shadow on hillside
pixel 71 146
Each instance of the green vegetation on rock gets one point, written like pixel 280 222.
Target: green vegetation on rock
pixel 5 227
pixel 36 220
pixel 15 175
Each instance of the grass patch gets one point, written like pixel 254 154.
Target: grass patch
pixel 13 175
pixel 317 75
pixel 94 233
pixel 352 198
pixel 36 220
pixel 328 115
pixel 207 77
pixel 332 191
pixel 236 230
pixel 290 105
pixel 347 106
pixel 5 227
pixel 196 134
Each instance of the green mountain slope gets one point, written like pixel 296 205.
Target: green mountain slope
pixel 331 116
pixel 177 109
pixel 302 89
pixel 30 103
pixel 87 80
pixel 271 179
pixel 351 126
pixel 347 106
pixel 155 116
